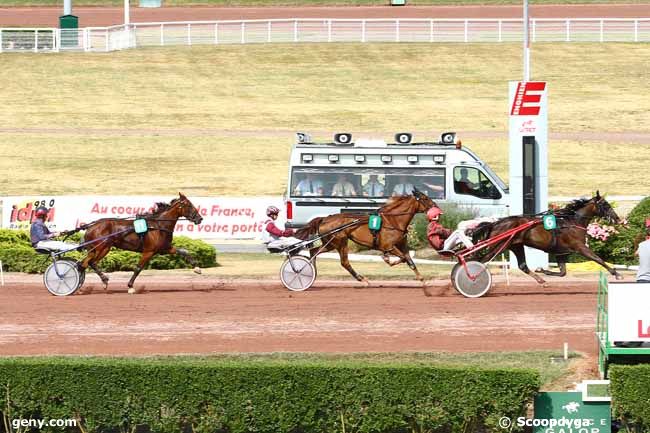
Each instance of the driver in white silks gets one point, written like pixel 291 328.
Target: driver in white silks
pixel 274 237
pixel 40 235
pixel 444 240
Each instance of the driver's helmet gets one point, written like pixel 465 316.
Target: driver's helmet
pixel 41 211
pixel 434 213
pixel 272 210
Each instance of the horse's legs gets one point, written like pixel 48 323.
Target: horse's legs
pixel 185 255
pixel 95 257
pixel 561 262
pixel 405 257
pixel 342 248
pixel 586 252
pixel 521 260
pixel 146 256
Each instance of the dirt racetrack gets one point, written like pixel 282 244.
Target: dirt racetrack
pixel 202 315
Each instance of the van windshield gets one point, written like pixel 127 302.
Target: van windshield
pixel 350 182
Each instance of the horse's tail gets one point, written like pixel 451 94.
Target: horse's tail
pixel 481 231
pixel 309 230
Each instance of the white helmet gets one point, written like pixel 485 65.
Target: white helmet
pixel 272 210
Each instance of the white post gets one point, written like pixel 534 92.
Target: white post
pixel 636 31
pixel 466 25
pixel 243 32
pixel 162 34
pixel 602 30
pixel 396 30
pixel 568 32
pixel 363 30
pixel 36 40
pixel 566 351
pixel 216 33
pixel 526 44
pixel 431 30
pixel 329 30
pixel 106 38
pixel 86 33
pixel 0 40
pixel 534 30
pixel 2 276
pixel 189 34
pixel 500 31
pixel 295 31
pixel 67 7
pixel 268 32
pixel 127 12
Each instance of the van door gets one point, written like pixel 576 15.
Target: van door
pixel 471 186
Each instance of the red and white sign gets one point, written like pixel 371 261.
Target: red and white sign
pixel 628 311
pixel 223 217
pixel 528 98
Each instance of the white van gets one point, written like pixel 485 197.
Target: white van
pixel 346 176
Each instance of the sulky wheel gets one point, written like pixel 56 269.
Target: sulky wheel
pixel 297 273
pixel 62 277
pixel 473 282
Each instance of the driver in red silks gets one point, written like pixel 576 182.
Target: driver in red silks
pixel 441 239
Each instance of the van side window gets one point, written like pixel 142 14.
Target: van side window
pixel 471 181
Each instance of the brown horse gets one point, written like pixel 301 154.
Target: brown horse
pixel 396 215
pixel 106 233
pixel 569 236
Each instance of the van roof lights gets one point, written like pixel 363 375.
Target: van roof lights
pixel 343 138
pixel 449 139
pixel 303 138
pixel 403 138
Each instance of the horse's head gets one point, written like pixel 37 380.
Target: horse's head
pixel 604 210
pixel 186 209
pixel 423 200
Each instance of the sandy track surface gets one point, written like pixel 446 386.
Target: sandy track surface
pixel 202 315
pixel 96 16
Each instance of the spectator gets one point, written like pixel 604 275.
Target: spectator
pixel 343 188
pixel 404 187
pixel 309 186
pixel 373 188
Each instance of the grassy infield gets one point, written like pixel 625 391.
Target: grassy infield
pixel 108 109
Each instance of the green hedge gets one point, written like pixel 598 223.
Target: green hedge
pixel 17 255
pixel 630 388
pixel 173 395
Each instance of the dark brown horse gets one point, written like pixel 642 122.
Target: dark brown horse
pixel 568 238
pixel 119 233
pixel 396 216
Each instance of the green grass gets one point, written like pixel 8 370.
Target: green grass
pixel 268 3
pixel 219 120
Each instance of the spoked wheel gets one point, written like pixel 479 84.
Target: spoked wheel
pixel 62 278
pixel 297 273
pixel 473 283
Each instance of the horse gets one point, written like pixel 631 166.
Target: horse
pixel 569 236
pixel 106 233
pixel 396 215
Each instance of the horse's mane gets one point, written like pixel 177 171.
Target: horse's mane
pixel 393 202
pixel 574 206
pixel 160 207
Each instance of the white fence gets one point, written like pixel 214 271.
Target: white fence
pixel 322 31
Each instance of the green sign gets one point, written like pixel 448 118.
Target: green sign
pixel 140 226
pixel 565 412
pixel 549 222
pixel 374 222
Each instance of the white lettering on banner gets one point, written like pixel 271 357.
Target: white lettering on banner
pixel 628 311
pixel 223 217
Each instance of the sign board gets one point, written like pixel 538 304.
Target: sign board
pixel 550 223
pixel 223 218
pixel 566 412
pixel 628 311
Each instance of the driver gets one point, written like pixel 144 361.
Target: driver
pixel 40 235
pixel 442 239
pixel 273 236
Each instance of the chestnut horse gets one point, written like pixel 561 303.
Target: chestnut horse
pixel 396 216
pixel 569 236
pixel 106 233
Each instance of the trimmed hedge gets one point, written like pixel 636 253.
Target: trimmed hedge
pixel 17 255
pixel 173 395
pixel 630 388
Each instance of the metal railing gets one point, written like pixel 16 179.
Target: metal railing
pixel 315 30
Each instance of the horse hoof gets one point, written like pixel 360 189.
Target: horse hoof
pixel 365 282
pixel 539 270
pixel 197 270
pixel 426 292
pixel 131 291
pixel 619 276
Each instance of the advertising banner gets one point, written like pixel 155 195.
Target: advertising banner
pixel 628 311
pixel 223 217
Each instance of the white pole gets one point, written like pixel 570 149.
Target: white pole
pixel 566 351
pixel 67 7
pixel 127 12
pixel 526 44
pixel 2 276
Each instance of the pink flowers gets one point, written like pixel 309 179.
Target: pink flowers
pixel 600 232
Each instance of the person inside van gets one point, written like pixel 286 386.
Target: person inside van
pixel 343 187
pixel 309 186
pixel 403 187
pixel 434 188
pixel 373 188
pixel 464 185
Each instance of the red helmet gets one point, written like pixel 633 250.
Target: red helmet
pixel 272 210
pixel 41 211
pixel 434 213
